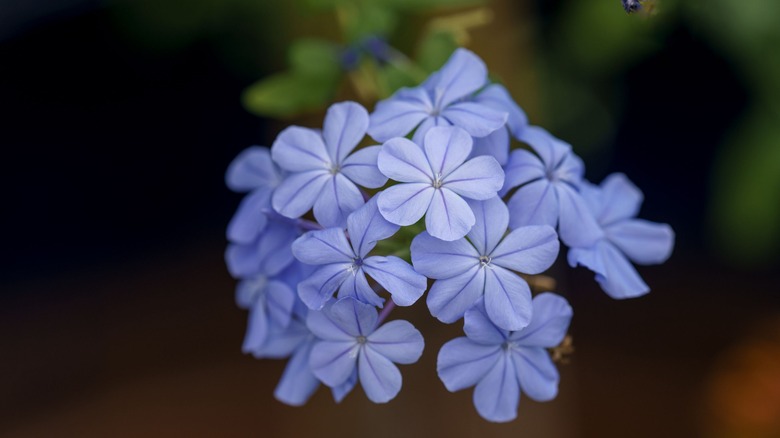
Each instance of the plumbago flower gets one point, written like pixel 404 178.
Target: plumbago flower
pixel 623 239
pixel 482 266
pixel 549 188
pixel 496 144
pixel 344 262
pixel 442 100
pixel 434 180
pixel 501 362
pixel 321 172
pixel 351 345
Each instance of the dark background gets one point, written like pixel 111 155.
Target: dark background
pixel 117 314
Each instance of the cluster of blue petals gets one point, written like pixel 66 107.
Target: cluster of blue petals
pixel 318 250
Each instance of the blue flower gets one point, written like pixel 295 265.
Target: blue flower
pixel 549 188
pixel 496 144
pixel 467 271
pixel 501 363
pixel 344 262
pixel 442 100
pixel 252 171
pixel 351 345
pixel 434 178
pixel 322 173
pixel 615 205
pixel 267 254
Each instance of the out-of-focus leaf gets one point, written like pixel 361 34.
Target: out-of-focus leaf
pixel 286 94
pixel 435 49
pixel 393 77
pixel 368 19
pixel 318 58
pixel 414 5
pixel 746 190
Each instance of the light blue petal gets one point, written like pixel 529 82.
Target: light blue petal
pixel 323 327
pixel 551 150
pixel 321 247
pixel 446 148
pixel 576 225
pixel 534 204
pixel 250 218
pixel 357 287
pixel 341 391
pixel 400 114
pixel 536 373
pixel 257 327
pixel 298 149
pixel 529 250
pixel 497 395
pixel 298 383
pixel 316 290
pixel 338 198
pixel 397 277
pixel 281 343
pixel 492 219
pixel 495 144
pixel 405 204
pixel 403 161
pixel 344 126
pixel 480 329
pixel 361 168
pixel 618 198
pixel 354 317
pixel 379 378
pixel 613 271
pixel 268 255
pixel 497 97
pixel 477 119
pixel 479 178
pixel 398 341
pixel 367 226
pixel 333 362
pixel 250 289
pixel 549 322
pixel 462 74
pixel 644 242
pixel 449 299
pixel 449 217
pixel 438 259
pixel 523 167
pixel 427 124
pixel 280 300
pixel 252 169
pixel 507 299
pixel 297 193
pixel 462 363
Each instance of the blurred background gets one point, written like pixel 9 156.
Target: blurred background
pixel 118 119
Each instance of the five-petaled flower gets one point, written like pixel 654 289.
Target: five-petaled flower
pixel 321 171
pixel 351 345
pixel 434 180
pixel 501 363
pixel 467 271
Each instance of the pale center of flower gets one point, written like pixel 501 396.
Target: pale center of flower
pixel 484 260
pixel 333 168
pixel 361 339
pixel 437 181
pixel 508 345
pixel 357 263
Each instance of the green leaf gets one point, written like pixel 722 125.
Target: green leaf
pixel 369 19
pixel 317 58
pixel 287 94
pixel 392 77
pixel 435 49
pixel 416 5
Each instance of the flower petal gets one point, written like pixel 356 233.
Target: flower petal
pixel 281 343
pixel 534 204
pixel 321 247
pixel 449 299
pixel 400 114
pixel 250 218
pixel 367 226
pixel 462 74
pixel 497 395
pixel 357 287
pixel 298 383
pixel 492 219
pixel 462 363
pixel 323 327
pixel 427 124
pixel 397 277
pixel 618 198
pixel 318 288
pixel 405 204
pixel 341 391
pixel 297 193
pixel 337 199
pixel 250 289
pixel 361 168
pixel 268 255
pixel 449 217
pixel 354 317
pixel 344 126
pixel 477 119
pixel 549 322
pixel 257 328
pixel 644 242
pixel 403 161
pixel 334 361
pixel 530 250
pixel 549 148
pixel 280 300
pixel 252 169
pixel 439 259
pixel 497 97
pixel 522 167
pixel 576 224
pixel 495 144
pixel 536 373
pixel 613 271
pixel 446 148
pixel 507 299
pixel 398 341
pixel 379 378
pixel 298 149
pixel 480 329
pixel 479 178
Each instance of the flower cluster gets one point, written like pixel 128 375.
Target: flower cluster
pixel 331 232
